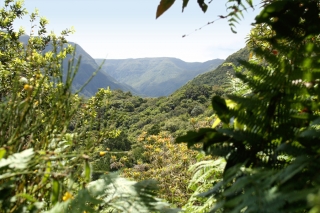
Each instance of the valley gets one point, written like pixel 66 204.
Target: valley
pixel 154 77
pixel 158 134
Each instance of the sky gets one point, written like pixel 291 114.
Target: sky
pixel 120 29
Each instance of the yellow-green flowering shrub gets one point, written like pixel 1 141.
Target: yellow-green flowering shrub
pixel 167 163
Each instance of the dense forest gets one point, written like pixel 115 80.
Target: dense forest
pixel 243 137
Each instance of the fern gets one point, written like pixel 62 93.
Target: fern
pixel 114 194
pixel 271 150
pixel 206 173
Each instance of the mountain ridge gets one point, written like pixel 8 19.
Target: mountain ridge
pixel 156 76
pixel 87 67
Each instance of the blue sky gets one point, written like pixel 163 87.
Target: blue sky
pixel 117 29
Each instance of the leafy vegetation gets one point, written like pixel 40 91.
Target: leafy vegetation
pixel 48 133
pixel 269 138
pixel 59 152
pixel 218 77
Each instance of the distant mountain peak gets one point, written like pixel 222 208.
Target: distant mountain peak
pixel 156 76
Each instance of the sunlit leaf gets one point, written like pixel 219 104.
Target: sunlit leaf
pixel 55 191
pixel 216 123
pixel 2 153
pixel 87 171
pixel 220 106
pixel 18 160
pixel 47 172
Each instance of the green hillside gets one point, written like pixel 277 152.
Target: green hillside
pixel 217 77
pixel 101 80
pixel 172 113
pixel 156 77
pixel 228 141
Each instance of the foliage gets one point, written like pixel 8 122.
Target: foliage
pixel 166 163
pixel 48 134
pixel 235 7
pixel 271 150
pixel 218 77
pixel 114 194
pixel 206 174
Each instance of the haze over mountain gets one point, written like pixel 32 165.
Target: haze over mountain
pixel 101 80
pixel 87 67
pixel 156 77
pixel 151 77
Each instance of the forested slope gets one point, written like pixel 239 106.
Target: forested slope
pixel 154 77
pixel 217 76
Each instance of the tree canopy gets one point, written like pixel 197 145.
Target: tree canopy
pixel 262 140
pixel 269 137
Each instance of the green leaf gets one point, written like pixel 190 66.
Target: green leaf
pixel 47 172
pixel 220 106
pixel 55 191
pixel 81 201
pixel 60 207
pixel 274 7
pixel 27 197
pixel 18 160
pixel 87 171
pixel 163 7
pixel 122 195
pixel 250 3
pixel 184 4
pixel 2 153
pixel 203 5
pixel 194 137
pixel 216 123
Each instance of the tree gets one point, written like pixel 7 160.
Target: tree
pixel 44 164
pixel 270 138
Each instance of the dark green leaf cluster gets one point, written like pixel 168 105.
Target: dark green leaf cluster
pixel 270 139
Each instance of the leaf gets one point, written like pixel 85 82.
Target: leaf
pixel 55 191
pixel 59 207
pixel 122 195
pixel 163 7
pixel 203 5
pixel 18 160
pixel 47 172
pixel 194 137
pixel 184 4
pixel 220 106
pixel 250 3
pixel 216 123
pixel 272 8
pixel 87 171
pixel 81 201
pixel 27 197
pixel 2 153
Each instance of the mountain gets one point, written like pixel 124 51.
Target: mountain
pixel 101 80
pixel 87 67
pixel 218 76
pixel 155 77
